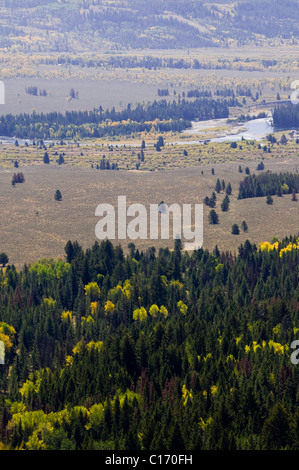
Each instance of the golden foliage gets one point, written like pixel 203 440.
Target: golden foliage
pixel 140 314
pixel 93 307
pixel 186 395
pixel 109 308
pixel 182 307
pixel 93 290
pixel 66 315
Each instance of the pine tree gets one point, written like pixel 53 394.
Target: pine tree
pixel 218 186
pixel 225 204
pixel 229 189
pixel 58 195
pixel 244 226
pixel 46 158
pixel 213 217
pixel 235 229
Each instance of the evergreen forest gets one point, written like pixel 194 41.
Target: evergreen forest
pixel 167 350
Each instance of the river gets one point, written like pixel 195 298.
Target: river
pixel 255 129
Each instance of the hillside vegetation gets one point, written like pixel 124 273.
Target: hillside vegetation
pixel 76 25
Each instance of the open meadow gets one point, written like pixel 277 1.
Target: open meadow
pixel 34 225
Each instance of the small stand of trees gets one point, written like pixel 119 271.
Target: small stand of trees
pixel 273 184
pixel 34 91
pixel 17 178
pixel 163 92
pixel 210 201
pixel 106 165
pixel 160 143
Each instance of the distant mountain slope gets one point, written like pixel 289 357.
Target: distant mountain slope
pixel 78 25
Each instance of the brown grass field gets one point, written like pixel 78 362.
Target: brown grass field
pixel 92 92
pixel 33 225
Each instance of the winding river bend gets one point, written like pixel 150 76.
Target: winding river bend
pixel 255 129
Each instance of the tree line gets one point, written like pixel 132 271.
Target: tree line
pixel 268 183
pixel 286 116
pixel 161 115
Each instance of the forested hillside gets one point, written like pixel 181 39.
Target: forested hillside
pixel 164 350
pixel 76 25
